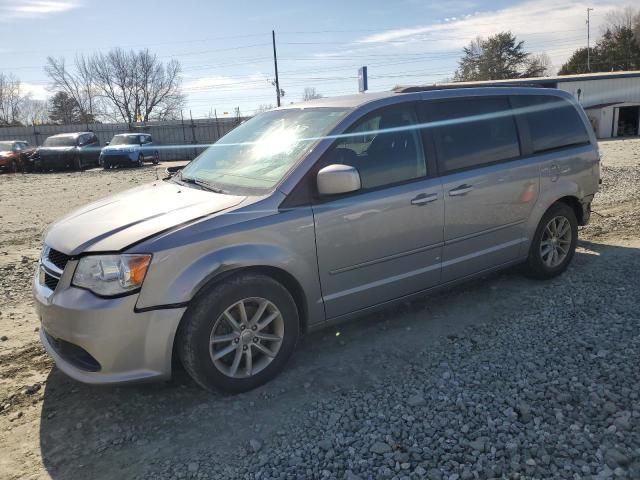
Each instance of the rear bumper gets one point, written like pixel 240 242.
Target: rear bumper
pixel 103 341
pixel 586 210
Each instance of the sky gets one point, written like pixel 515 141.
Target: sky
pixel 226 53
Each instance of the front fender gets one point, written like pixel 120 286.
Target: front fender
pixel 284 241
pixel 188 282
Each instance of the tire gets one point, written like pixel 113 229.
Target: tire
pixel 207 319
pixel 542 265
pixel 156 157
pixel 13 168
pixel 77 163
pixel 141 160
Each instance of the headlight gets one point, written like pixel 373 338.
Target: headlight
pixel 111 275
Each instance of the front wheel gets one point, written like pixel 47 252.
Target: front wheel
pixel 140 160
pixel 13 168
pixel 77 163
pixel 238 334
pixel 554 243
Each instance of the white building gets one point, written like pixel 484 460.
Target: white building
pixel 611 100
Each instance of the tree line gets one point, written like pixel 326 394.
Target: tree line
pixel 617 48
pixel 502 56
pixel 118 86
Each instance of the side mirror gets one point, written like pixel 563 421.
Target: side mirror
pixel 171 171
pixel 106 143
pixel 336 179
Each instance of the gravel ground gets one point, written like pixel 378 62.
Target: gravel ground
pixel 499 378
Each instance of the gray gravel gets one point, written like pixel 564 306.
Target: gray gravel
pixel 550 393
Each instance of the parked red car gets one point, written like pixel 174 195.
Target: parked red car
pixel 14 155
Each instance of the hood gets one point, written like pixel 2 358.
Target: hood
pixel 116 222
pixel 120 148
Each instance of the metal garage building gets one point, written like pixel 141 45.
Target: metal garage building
pixel 611 100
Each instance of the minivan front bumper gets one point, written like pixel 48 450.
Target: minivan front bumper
pixel 101 341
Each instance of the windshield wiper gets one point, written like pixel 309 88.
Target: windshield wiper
pixel 201 184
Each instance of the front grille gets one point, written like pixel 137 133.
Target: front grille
pixel 50 281
pixel 59 259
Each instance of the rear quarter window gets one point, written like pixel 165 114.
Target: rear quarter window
pixel 553 122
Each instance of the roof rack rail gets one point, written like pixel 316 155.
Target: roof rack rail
pixel 449 86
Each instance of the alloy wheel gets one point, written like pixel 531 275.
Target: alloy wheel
pixel 555 243
pixel 246 337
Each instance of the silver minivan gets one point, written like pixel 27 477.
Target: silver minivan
pixel 311 214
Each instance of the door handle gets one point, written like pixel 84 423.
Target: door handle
pixel 424 198
pixel 461 190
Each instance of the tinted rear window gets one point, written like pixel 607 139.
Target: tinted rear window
pixel 472 132
pixel 553 122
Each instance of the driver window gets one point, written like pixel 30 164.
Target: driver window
pixel 385 147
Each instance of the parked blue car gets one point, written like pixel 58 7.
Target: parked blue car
pixel 129 149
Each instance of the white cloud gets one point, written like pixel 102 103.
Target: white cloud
pixel 546 25
pixel 12 9
pixel 226 83
pixel 221 82
pixel 37 92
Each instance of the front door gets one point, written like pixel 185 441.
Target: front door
pixel 384 241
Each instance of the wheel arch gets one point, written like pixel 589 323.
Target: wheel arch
pixel 574 203
pixel 280 275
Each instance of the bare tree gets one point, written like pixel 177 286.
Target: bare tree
pixel 264 107
pixel 539 65
pixel 120 85
pixel 77 83
pixel 310 94
pixel 137 85
pixel 621 18
pixel 10 99
pixel 34 112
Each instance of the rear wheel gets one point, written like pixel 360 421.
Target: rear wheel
pixel 238 334
pixel 156 157
pixel 554 243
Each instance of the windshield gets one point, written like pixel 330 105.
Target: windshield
pixel 258 153
pixel 125 140
pixel 6 146
pixel 60 142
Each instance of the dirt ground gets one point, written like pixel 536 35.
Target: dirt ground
pixel 54 427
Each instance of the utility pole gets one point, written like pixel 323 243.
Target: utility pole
pixel 589 10
pixel 275 64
